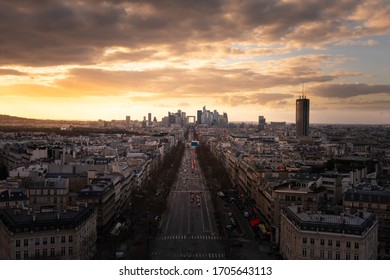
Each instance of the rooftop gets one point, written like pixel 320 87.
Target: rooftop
pixel 342 224
pixel 367 194
pixel 18 220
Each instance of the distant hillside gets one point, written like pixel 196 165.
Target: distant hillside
pixel 11 118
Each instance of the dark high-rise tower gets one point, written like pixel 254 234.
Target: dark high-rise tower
pixel 261 123
pixel 149 118
pixel 302 116
pixel 199 116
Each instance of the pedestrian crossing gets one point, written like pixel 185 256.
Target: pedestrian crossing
pixel 192 256
pixel 188 237
pixel 201 191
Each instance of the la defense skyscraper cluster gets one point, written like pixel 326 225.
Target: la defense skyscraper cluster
pixel 302 116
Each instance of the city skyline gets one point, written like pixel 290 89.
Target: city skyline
pixel 87 61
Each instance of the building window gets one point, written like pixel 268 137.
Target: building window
pixel 329 242
pixel 304 240
pixel 322 241
pixel 347 256
pixel 25 242
pixel 70 251
pixel 17 255
pixel 311 240
pixel 63 240
pixel 337 255
pixel 44 252
pixel 62 251
pixel 356 256
pixel 37 253
pixel 44 240
pixel 330 255
pixel 311 253
pixel 304 252
pixel 36 241
pixel 17 243
pixel 70 238
pixel 52 240
pixel 52 251
pixel 356 245
pixel 322 254
pixel 337 243
pixel 25 254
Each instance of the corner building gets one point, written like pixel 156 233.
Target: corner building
pixel 62 236
pixel 309 236
pixel 377 201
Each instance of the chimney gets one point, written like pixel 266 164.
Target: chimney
pixel 91 174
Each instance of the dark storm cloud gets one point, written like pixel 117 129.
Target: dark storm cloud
pixel 70 32
pixel 289 14
pixel 348 90
pixel 78 32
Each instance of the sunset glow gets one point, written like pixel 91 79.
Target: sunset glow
pixel 94 60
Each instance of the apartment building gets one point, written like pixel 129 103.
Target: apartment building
pixel 55 235
pixel 308 235
pixel 295 192
pixel 13 198
pixel 333 185
pixel 47 193
pixel 376 200
pixel 101 194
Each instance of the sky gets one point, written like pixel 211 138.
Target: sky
pixel 89 60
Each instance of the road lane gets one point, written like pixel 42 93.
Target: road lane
pixel 188 231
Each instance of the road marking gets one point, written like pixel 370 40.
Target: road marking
pixel 208 215
pixel 189 237
pixel 189 216
pixel 166 225
pixel 192 190
pixel 184 255
pixel 182 215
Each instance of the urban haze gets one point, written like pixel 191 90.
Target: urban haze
pixel 191 187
